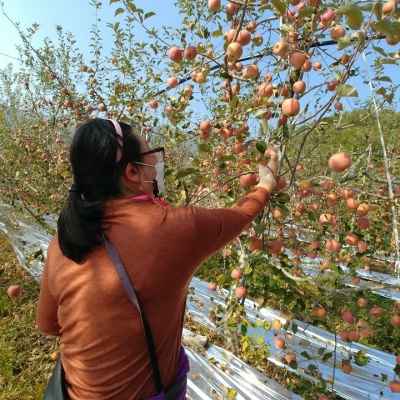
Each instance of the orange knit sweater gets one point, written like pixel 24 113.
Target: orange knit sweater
pixel 103 347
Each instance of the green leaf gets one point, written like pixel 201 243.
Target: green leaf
pixel 307 11
pixel 354 15
pixel 119 11
pixel 225 75
pixel 305 355
pixel 382 79
pixel 283 209
pixel 389 98
pixel 287 28
pixel 243 329
pixel 217 33
pixel 261 147
pixel 361 360
pixel 271 283
pixel 199 179
pixel 114 1
pixel 311 216
pixel 384 26
pixel 264 7
pixel 396 29
pixel 260 228
pixel 345 90
pixel 227 157
pixel 260 114
pixel 389 61
pixel 367 7
pixel 204 147
pixel 282 198
pixel 279 6
pixel 311 367
pixel 38 253
pixel 343 43
pixel 380 51
pixel 264 125
pixel 378 10
pixel 185 172
pixel 327 356
pixel 304 343
pixel 396 369
pixel 294 328
pixel 149 14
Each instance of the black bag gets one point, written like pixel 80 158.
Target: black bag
pixel 55 389
pixel 173 393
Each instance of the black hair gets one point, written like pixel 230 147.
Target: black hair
pixel 93 156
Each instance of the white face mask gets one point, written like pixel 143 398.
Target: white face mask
pixel 159 180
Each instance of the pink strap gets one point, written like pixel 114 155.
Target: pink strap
pixel 146 197
pixel 118 129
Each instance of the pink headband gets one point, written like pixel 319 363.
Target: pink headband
pixel 118 129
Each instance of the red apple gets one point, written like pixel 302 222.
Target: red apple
pixel 290 107
pixel 280 48
pixel 234 51
pixel 297 59
pixel 190 53
pixel 337 32
pixel 375 312
pixel 348 316
pixel 214 5
pixel 14 291
pixel 299 87
pixel 279 343
pixel 237 274
pixel 248 180
pixel 339 162
pixel 362 302
pixel 240 292
pixel 395 386
pixel 319 312
pixel 175 54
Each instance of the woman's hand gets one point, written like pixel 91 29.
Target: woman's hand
pixel 268 173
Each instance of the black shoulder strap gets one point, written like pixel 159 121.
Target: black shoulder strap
pixel 126 283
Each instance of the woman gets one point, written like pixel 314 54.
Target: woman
pixel 116 181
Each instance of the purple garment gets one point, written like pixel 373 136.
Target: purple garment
pixel 183 369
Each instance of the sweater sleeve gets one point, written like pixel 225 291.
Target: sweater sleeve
pixel 215 228
pixel 47 307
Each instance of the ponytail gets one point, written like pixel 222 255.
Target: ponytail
pixel 79 229
pixel 93 154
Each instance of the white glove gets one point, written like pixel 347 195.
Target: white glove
pixel 269 172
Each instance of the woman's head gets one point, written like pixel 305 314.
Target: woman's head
pixel 104 166
pixel 99 157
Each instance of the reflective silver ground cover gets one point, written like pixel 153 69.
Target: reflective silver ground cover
pixel 368 278
pixel 215 373
pixel 362 383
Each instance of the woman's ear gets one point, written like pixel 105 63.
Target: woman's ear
pixel 132 173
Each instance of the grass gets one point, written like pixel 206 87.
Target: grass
pixel 25 363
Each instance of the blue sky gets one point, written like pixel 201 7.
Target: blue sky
pixel 75 16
